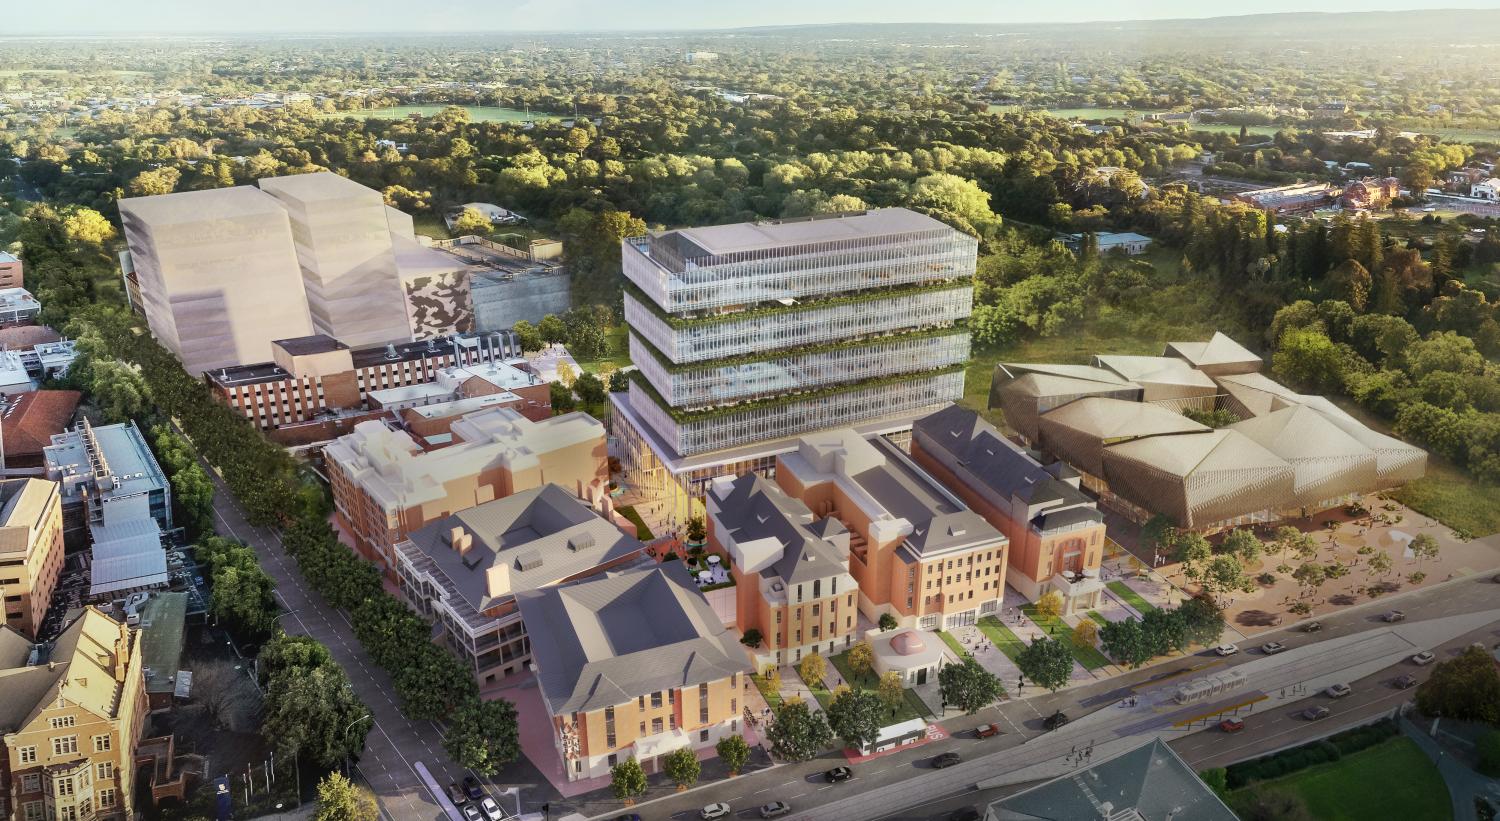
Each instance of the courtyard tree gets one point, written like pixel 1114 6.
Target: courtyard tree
pixel 752 638
pixel 1309 576
pixel 682 766
pixel 734 752
pixel 854 716
pixel 1050 605
pixel 812 668
pixel 1425 546
pixel 892 691
pixel 1224 574
pixel 887 622
pixel 797 733
pixel 552 330
pixel 1046 662
pixel 1086 634
pixel 1378 565
pixel 968 686
pixel 627 780
pixel 589 389
pixel 1244 544
pixel 563 400
pixel 861 659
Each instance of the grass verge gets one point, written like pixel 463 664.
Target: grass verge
pixel 1056 628
pixel 948 639
pixel 1391 780
pixel 1131 597
pixel 641 531
pixel 1005 641
pixel 1098 617
pixel 767 692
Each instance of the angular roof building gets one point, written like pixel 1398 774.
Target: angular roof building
pixel 1327 463
pixel 1024 392
pixel 1219 356
pixel 1165 380
pixel 1078 433
pixel 1200 479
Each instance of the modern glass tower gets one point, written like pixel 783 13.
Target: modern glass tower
pixel 749 335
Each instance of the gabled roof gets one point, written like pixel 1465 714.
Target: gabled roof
pixel 756 508
pixel 1218 351
pixel 30 422
pixel 1113 419
pixel 82 670
pixel 607 640
pixel 15 648
pixel 1185 454
pixel 976 446
pixel 1299 432
pixel 1160 370
pixel 1258 393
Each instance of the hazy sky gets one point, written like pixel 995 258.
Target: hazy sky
pixel 250 16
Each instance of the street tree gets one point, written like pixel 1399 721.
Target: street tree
pixel 1125 642
pixel 315 714
pixel 1202 621
pixel 339 799
pixel 968 686
pixel 483 736
pixel 797 733
pixel 854 716
pixel 627 780
pixel 682 766
pixel 1466 688
pixel 1243 543
pixel 1046 662
pixel 1164 631
pixel 734 752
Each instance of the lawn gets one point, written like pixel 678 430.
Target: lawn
pixel 1090 658
pixel 616 357
pixel 767 692
pixel 641 531
pixel 1454 499
pixel 1005 641
pixel 912 708
pixel 1131 597
pixel 958 649
pixel 1391 780
pixel 431 225
pixel 1098 617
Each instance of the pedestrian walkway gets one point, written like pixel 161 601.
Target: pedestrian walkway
pixel 1464 784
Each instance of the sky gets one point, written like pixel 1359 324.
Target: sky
pixel 22 17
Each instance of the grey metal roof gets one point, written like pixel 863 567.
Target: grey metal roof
pixel 753 236
pixel 1150 782
pixel 531 531
pixel 606 640
pixel 757 509
pixel 939 521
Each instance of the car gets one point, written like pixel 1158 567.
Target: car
pixel 1405 682
pixel 775 809
pixel 964 814
pixel 1226 650
pixel 987 731
pixel 1337 691
pixel 717 809
pixel 1495 578
pixel 472 813
pixel 472 788
pixel 1055 720
pixel 490 809
pixel 629 816
pixel 1423 658
pixel 838 774
pixel 1393 616
pixel 1232 725
pixel 456 795
pixel 1312 627
pixel 1316 713
pixel 1271 648
pixel 946 760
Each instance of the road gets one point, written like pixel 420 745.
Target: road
pixel 892 784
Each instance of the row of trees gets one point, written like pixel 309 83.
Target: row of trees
pixel 1133 642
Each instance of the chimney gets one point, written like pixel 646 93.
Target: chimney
pixel 497 580
pixel 461 539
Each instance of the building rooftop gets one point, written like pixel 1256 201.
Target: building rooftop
pixel 88 661
pixel 530 539
pixel 321 185
pixel 162 622
pixel 30 421
pixel 22 503
pixel 124 455
pixel 21 337
pixel 720 240
pixel 1161 370
pixel 1149 783
pixel 308 345
pixel 13 298
pixel 459 407
pixel 774 534
pixel 1219 350
pixel 7 257
pixel 605 641
pixel 192 207
pixel 126 555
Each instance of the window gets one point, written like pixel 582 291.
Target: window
pixel 817 610
pixel 613 760
pixel 63 786
pixel 101 743
pixel 609 730
pixel 656 699
pixel 656 726
pixel 734 706
pixel 60 722
pixel 31 782
pixel 815 631
pixel 27 755
pixel 34 811
pixel 817 592
pixel 641 702
pixel 703 702
pixel 107 797
pixel 65 745
pixel 703 734
pixel 643 728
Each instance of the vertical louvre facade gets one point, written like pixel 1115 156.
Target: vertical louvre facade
pixel 757 331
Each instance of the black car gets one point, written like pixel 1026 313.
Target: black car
pixel 1055 720
pixel 964 814
pixel 472 788
pixel 946 760
pixel 838 774
pixel 456 795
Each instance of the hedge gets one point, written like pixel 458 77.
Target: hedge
pixel 1300 758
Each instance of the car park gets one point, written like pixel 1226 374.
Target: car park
pixel 717 809
pixel 1423 658
pixel 838 774
pixel 1271 648
pixel 472 788
pixel 456 795
pixel 1226 650
pixel 946 760
pixel 1316 713
pixel 490 809
pixel 1337 691
pixel 1055 720
pixel 775 809
pixel 472 813
pixel 1393 616
pixel 1405 682
pixel 1232 725
pixel 987 731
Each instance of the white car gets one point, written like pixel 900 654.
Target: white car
pixel 715 810
pixel 1337 691
pixel 471 813
pixel 1423 658
pixel 1226 649
pixel 490 809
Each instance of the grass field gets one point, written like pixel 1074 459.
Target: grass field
pixel 1005 641
pixel 948 639
pixel 618 355
pixel 1056 628
pixel 1454 499
pixel 1391 780
pixel 911 708
pixel 477 113
pixel 767 692
pixel 1131 597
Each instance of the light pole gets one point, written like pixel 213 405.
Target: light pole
pixel 346 740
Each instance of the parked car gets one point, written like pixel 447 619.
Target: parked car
pixel 775 809
pixel 1337 691
pixel 1312 627
pixel 1232 725
pixel 472 788
pixel 838 774
pixel 490 809
pixel 987 731
pixel 1271 648
pixel 1405 682
pixel 1226 649
pixel 715 810
pixel 1394 616
pixel 1315 713
pixel 946 760
pixel 1055 720
pixel 456 795
pixel 472 813
pixel 1423 658
pixel 964 814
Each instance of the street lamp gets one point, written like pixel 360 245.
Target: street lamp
pixel 345 733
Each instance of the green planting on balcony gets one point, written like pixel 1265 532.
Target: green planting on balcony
pixel 960 328
pixel 773 308
pixel 686 416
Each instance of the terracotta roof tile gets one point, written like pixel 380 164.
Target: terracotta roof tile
pixel 30 421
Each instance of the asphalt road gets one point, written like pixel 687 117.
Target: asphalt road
pixel 930 795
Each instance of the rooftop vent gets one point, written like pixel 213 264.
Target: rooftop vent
pixel 390 351
pixel 580 541
pixel 528 560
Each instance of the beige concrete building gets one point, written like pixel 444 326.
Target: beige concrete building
pixel 31 550
pixel 634 665
pixel 72 725
pixel 12 271
pixel 386 487
pixel 343 238
pixel 218 274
